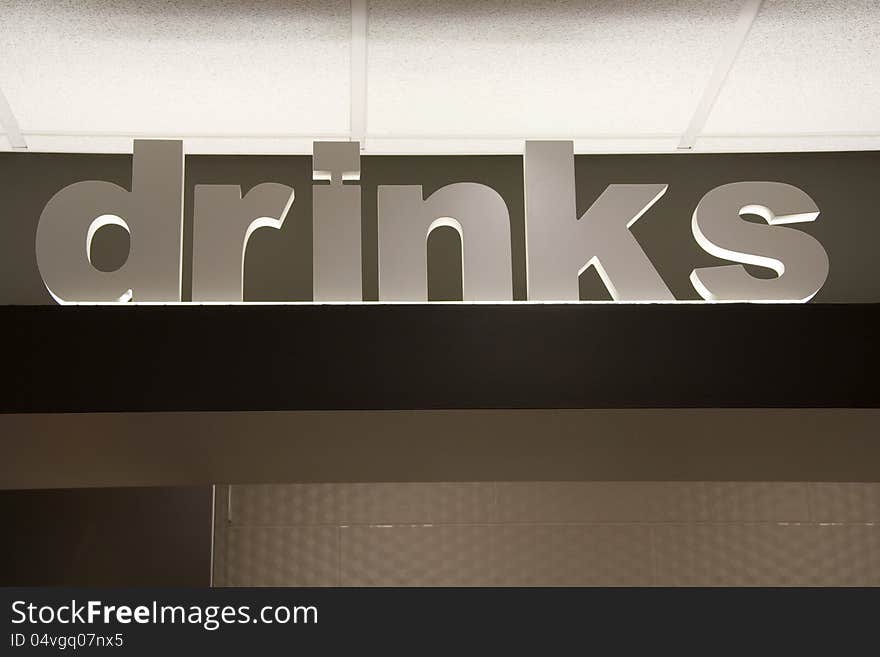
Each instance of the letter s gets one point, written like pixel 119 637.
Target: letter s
pixel 799 260
pixel 16 609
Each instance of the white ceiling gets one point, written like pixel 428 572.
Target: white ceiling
pixel 452 76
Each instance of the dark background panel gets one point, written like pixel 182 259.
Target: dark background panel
pixel 841 184
pixel 106 537
pixel 338 357
pixel 278 264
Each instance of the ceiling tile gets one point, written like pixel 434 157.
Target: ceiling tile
pixel 807 66
pixel 195 67
pixel 532 69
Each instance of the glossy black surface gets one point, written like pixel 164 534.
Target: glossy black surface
pixel 441 356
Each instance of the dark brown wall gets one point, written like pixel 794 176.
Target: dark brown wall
pixel 106 537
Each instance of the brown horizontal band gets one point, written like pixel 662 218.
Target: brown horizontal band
pixel 183 448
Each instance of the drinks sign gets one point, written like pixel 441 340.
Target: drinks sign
pixel 560 245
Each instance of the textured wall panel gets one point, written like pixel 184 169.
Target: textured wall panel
pixel 572 555
pixel 845 502
pixel 416 502
pixel 767 555
pixel 549 534
pixel 418 555
pixel 282 556
pixel 734 555
pixel 650 501
pixel 379 503
pixel 294 504
pixel 493 555
pixel 845 555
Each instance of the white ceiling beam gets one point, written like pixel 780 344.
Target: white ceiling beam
pixel 729 52
pixel 10 124
pixel 359 71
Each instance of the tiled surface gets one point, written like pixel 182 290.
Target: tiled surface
pixel 283 556
pixel 549 534
pixel 416 503
pixel 315 504
pixel 732 555
pixel 767 555
pixel 294 504
pixel 417 555
pixel 845 502
pixel 650 502
pixel 496 555
pixel 572 555
pixel 846 555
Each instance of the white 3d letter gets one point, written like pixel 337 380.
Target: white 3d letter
pixel 800 262
pixel 223 222
pixel 559 247
pixel 336 222
pixel 152 213
pixel 479 215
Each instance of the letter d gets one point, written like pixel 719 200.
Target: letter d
pixel 152 213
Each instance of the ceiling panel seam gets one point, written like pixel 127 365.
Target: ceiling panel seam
pixel 330 136
pixel 729 52
pixel 358 84
pixel 10 124
pixel 303 144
